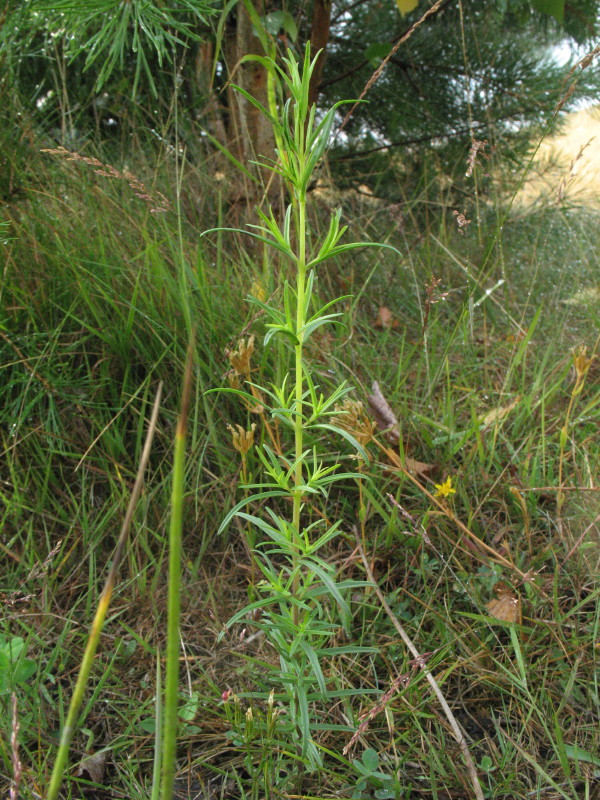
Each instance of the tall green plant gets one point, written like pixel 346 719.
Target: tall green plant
pixel 301 599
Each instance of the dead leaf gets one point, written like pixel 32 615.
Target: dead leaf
pixel 498 414
pixel 387 423
pixel 92 767
pixel 416 468
pixel 384 416
pixel 406 6
pixel 385 319
pixel 507 604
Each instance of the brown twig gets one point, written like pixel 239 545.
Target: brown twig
pixel 17 767
pixel 376 75
pixel 420 661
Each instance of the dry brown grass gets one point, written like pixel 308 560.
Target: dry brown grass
pixel 567 167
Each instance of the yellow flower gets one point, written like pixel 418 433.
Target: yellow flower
pixel 257 290
pixel 445 489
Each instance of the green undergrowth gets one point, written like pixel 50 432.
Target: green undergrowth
pixel 98 298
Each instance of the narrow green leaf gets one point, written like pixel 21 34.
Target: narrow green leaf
pixel 253 101
pixel 239 392
pixel 575 753
pixel 332 588
pixel 270 242
pixel 338 250
pixel 309 329
pixel 314 662
pixel 345 435
pixel 252 499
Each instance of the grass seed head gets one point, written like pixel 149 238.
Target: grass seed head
pixel 157 200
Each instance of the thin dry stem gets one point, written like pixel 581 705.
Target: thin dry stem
pixel 580 540
pixel 17 767
pixel 377 74
pixel 420 661
pixel 399 682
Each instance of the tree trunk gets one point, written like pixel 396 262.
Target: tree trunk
pixel 212 116
pixel 319 38
pixel 249 133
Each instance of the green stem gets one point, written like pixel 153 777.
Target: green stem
pixel 299 374
pixel 174 601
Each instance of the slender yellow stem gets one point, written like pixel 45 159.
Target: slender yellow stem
pixel 564 433
pixel 90 651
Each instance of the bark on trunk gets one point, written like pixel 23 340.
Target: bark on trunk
pixel 212 113
pixel 249 133
pixel 237 124
pixel 319 38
